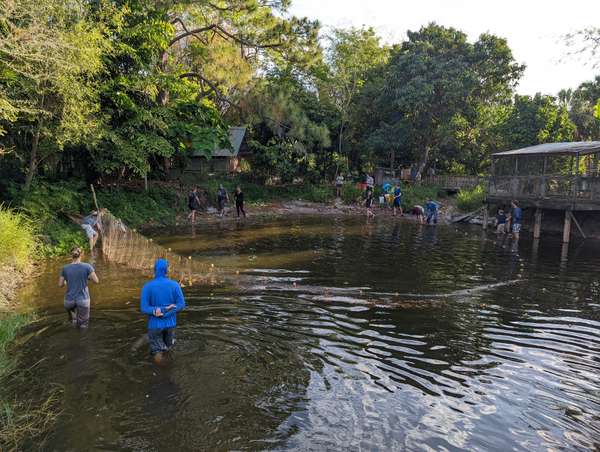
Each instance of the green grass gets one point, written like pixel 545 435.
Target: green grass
pixel 22 418
pixel 470 200
pixel 9 326
pixel 17 239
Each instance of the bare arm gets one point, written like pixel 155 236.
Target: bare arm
pixel 94 277
pixel 61 281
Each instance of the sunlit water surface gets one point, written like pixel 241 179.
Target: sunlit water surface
pixel 320 343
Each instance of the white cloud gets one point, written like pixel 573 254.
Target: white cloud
pixel 533 28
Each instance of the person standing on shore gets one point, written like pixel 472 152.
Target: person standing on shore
pixel 339 183
pixel 222 197
pixel 193 204
pixel 239 201
pixel 161 300
pixel 370 183
pixel 77 299
pixel 369 204
pixel 398 199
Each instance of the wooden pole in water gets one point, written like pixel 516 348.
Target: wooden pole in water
pixel 537 226
pixel 485 216
pixel 94 195
pixel 567 227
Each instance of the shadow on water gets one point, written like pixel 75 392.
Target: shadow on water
pixel 315 345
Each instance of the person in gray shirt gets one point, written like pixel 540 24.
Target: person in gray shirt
pixel 77 299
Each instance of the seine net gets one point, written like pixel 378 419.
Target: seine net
pixel 126 246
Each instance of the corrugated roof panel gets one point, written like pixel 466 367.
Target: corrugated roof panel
pixel 578 147
pixel 236 136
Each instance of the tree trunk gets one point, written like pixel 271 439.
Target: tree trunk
pixel 340 138
pixel 392 162
pixel 422 163
pixel 33 162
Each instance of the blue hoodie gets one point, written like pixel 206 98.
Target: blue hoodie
pixel 160 293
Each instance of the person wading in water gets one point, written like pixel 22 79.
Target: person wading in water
pixel 161 300
pixel 193 204
pixel 222 196
pixel 77 299
pixel 239 201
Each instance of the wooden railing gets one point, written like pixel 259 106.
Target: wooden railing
pixel 574 188
pixel 454 182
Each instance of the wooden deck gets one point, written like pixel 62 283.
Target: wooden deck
pixel 547 192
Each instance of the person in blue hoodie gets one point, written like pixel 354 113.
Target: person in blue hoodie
pixel 161 300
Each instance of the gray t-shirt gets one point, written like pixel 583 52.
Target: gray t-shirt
pixel 77 276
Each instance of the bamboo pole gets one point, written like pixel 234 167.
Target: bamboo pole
pixel 537 226
pixel 567 227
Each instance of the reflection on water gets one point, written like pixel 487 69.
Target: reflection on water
pixel 321 342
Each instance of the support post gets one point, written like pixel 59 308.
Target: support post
pixel 537 226
pixel 578 225
pixel 567 227
pixel 485 216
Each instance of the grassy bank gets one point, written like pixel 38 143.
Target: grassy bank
pixel 19 419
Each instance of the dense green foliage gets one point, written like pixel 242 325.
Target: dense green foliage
pixel 118 89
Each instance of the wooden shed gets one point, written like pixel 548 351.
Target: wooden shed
pixel 222 161
pixel 552 176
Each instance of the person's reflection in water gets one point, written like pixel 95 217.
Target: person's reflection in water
pixel 396 233
pixel 162 395
pixel 430 237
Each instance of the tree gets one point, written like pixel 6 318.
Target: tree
pixel 437 79
pixel 535 120
pixel 49 55
pixel 582 110
pixel 351 55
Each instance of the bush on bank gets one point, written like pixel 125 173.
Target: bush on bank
pixel 470 200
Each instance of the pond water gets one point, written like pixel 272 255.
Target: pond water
pixel 335 336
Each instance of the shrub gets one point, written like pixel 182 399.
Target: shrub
pixel 351 194
pixel 413 195
pixel 469 200
pixel 17 239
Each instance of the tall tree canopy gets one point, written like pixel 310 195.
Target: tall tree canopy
pixel 436 84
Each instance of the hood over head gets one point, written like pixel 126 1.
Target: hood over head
pixel 161 266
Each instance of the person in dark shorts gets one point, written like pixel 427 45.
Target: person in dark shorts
pixel 193 204
pixel 398 199
pixel 369 204
pixel 77 299
pixel 339 184
pixel 161 300
pixel 501 222
pixel 222 197
pixel 239 201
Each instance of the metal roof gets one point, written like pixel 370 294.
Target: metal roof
pixel 573 148
pixel 236 136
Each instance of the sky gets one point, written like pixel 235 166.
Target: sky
pixel 534 29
